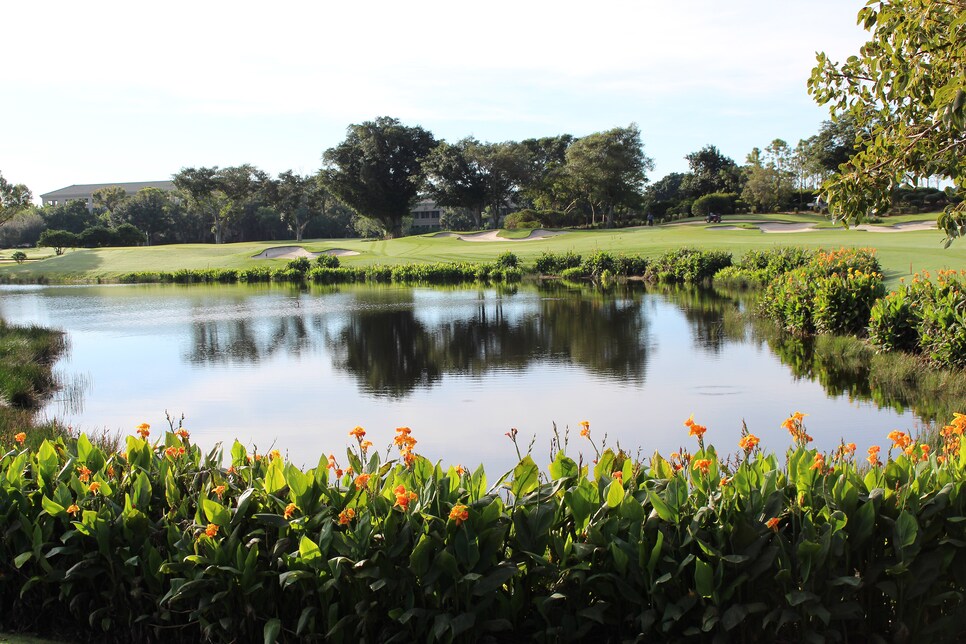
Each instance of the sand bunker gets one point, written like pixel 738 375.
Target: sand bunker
pixel 493 236
pixel 780 227
pixel 897 228
pixel 294 252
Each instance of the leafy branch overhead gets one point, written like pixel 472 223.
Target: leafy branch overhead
pixel 906 91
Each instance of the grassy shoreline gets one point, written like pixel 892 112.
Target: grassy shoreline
pixel 901 254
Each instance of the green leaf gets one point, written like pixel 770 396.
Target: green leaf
pixel 906 529
pixel 663 509
pixel 308 550
pixel 22 558
pixel 275 476
pixel 525 477
pixel 215 512
pixel 615 494
pixel 47 461
pixel 273 627
pixel 51 507
pixel 703 578
pixel 563 467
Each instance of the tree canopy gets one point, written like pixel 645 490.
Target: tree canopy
pixel 377 169
pixel 13 199
pixel 906 91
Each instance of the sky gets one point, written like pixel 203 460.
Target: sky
pixel 134 91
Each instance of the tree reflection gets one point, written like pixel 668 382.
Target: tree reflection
pixel 392 345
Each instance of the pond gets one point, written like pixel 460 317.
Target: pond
pixel 296 368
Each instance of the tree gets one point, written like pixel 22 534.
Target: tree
pixel 72 216
pixel 455 178
pixel 544 181
pixel 711 171
pixel 609 170
pixel 203 193
pixel 297 199
pixel 58 240
pixel 242 187
pixel 906 91
pixel 109 198
pixel 148 211
pixel 769 178
pixel 377 169
pixel 13 199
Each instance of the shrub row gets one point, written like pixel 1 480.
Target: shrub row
pixel 682 265
pixel 757 268
pixel 833 293
pixel 165 543
pixel 300 271
pixel 925 317
pixel 687 265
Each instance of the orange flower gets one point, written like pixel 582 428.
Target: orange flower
pixel 211 530
pixel 772 523
pixel 873 457
pixel 110 471
pixel 403 497
pixel 365 445
pixel 703 464
pixel 346 516
pixel 694 429
pixel 362 481
pixel 724 481
pixel 404 430
pixel 144 430
pixel 183 433
pixel 460 470
pixel 459 514
pixel 409 458
pixel 95 486
pixel 219 491
pixel 618 476
pixel 83 474
pixel 20 437
pixel 585 428
pixel 404 441
pixel 925 451
pixel 818 463
pixel 357 433
pixel 331 461
pixel 899 439
pixel 338 473
pixel 274 454
pixel 748 442
pixel 73 509
pixel 172 452
pixel 290 510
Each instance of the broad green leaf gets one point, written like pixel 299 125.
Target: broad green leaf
pixel 525 477
pixel 272 628
pixel 308 550
pixel 615 494
pixel 275 476
pixel 52 508
pixel 563 467
pixel 703 578
pixel 906 529
pixel 215 512
pixel 47 461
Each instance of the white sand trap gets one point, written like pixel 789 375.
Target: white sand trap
pixel 294 252
pixel 780 227
pixel 726 228
pixel 493 236
pixel 897 228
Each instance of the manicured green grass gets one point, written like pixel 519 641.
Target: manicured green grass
pixel 900 253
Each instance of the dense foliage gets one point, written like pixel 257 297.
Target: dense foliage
pixel 924 316
pixel 162 542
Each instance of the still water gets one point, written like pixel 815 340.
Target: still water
pixel 296 369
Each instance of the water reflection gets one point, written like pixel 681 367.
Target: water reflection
pixel 392 345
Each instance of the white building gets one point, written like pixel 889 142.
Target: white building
pixel 85 192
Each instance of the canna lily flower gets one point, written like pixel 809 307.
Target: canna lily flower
pixel 346 516
pixel 94 487
pixel 585 428
pixel 357 433
pixel 460 470
pixel 409 458
pixel 724 481
pixel 73 509
pixel 219 491
pixel 772 523
pixel 818 463
pixel 110 471
pixel 748 442
pixel 459 514
pixel 144 430
pixel 20 437
pixel 338 473
pixel 183 433
pixel 290 510
pixel 404 430
pixel 211 530
pixel 365 445
pixel 900 440
pixel 924 448
pixel 694 429
pixel 274 454
pixel 362 481
pixel 83 474
pixel 172 452
pixel 703 464
pixel 618 476
pixel 873 457
pixel 404 497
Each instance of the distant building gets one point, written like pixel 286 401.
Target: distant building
pixel 85 192
pixel 425 216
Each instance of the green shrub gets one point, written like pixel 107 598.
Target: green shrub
pixel 167 542
pixel 687 265
pixel 507 259
pixel 594 265
pixel 327 261
pixel 549 263
pixel 574 274
pixel 630 265
pixel 19 256
pixel 722 203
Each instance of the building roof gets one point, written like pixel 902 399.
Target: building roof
pixel 130 187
